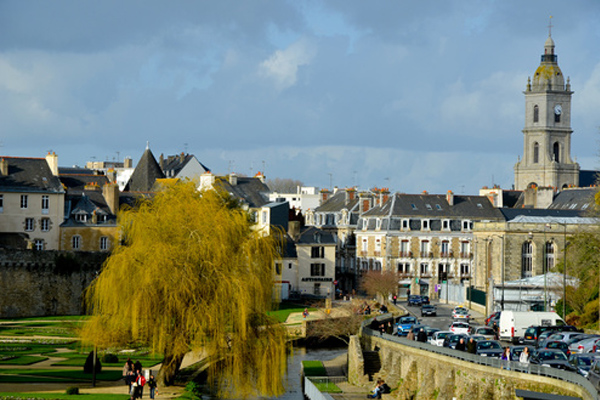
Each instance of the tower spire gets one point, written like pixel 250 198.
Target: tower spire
pixel 550 27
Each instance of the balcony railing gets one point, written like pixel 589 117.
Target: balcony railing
pixel 466 255
pixel 405 254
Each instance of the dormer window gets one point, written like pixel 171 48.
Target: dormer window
pixel 446 225
pixel 405 225
pixel 425 225
pixel 81 217
pixel 467 225
pixel 414 207
pixel 428 206
pixel 378 223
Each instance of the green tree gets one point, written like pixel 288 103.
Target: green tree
pixel 190 275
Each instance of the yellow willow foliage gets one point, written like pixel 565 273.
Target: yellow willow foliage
pixel 190 275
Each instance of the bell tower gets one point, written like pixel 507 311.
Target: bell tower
pixel 547 133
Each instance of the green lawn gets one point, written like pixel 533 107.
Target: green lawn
pixel 328 387
pixel 285 309
pixel 64 374
pixel 314 368
pixel 23 360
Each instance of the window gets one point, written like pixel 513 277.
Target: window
pixel 76 242
pixel 29 223
pixel 45 204
pixel 1 202
pixel 365 245
pixel 81 217
pixel 443 271
pixel 38 244
pixel 278 268
pixel 104 243
pixel 556 151
pixel 289 265
pixel 45 224
pixel 317 289
pixel 465 251
pixel 317 269
pixel 438 207
pixel 424 268
pixel 414 207
pixel 428 206
pixel 404 248
pixel 536 114
pixel 424 248
pixel 317 252
pixel 549 257
pixel 536 153
pixel 425 224
pixel 404 268
pixel 445 248
pixel 446 225
pixel 467 225
pixel 264 217
pixel 404 224
pixel 377 246
pixel 556 117
pixel 526 260
pixel 464 270
pixel 23 201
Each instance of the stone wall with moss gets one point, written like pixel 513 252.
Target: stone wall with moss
pixel 45 283
pixel 421 375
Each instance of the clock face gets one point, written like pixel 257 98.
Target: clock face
pixel 557 109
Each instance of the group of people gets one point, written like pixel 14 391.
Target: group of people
pixel 380 388
pixel 421 335
pixel 136 380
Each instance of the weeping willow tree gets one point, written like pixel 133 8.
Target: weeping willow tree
pixel 192 275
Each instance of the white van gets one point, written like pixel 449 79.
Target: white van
pixel 514 323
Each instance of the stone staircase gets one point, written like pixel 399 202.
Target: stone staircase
pixel 372 363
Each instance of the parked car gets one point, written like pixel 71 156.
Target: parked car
pixel 492 315
pixel 485 331
pixel 533 333
pixel 461 313
pixel 478 338
pixel 489 348
pixel 585 345
pixel 551 358
pixel 428 330
pixel 414 300
pixel 565 336
pixel 583 362
pixel 594 374
pixel 405 324
pixel 515 351
pixel 557 344
pixel 460 327
pixel 452 340
pixel 437 339
pixel 428 310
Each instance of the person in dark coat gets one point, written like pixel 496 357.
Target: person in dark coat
pixel 471 346
pixel 422 336
pixel 461 345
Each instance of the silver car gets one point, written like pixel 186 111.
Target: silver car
pixel 437 339
pixel 585 346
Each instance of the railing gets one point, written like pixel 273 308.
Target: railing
pixel 312 393
pixel 534 369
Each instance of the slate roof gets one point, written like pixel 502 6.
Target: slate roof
pixel 289 248
pixel 31 175
pixel 512 213
pixel 146 172
pixel 172 165
pixel 434 205
pixel 338 202
pixel 581 199
pixel 313 235
pixel 251 191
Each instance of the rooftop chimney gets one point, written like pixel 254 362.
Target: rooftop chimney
pixel 233 178
pixel 52 160
pixel 450 198
pixel 128 162
pixel 110 191
pixel 3 167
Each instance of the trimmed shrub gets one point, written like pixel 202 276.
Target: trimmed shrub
pixel 72 390
pixel 110 358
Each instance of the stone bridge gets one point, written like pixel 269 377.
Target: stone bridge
pixel 421 371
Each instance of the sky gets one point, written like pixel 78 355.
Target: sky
pixel 409 95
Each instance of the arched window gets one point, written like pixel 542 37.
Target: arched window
pixel 549 257
pixel 556 151
pixel 536 153
pixel 527 260
pixel 536 113
pixel 556 117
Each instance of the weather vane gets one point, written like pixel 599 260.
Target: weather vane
pixel 550 27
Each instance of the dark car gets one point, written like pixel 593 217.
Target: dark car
pixel 551 358
pixel 428 329
pixel 451 340
pixel 428 310
pixel 424 299
pixel 489 348
pixel 557 344
pixel 515 352
pixel 532 334
pixel 583 362
pixel 414 300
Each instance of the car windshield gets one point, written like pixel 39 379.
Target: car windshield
pixel 408 320
pixel 556 345
pixel 584 361
pixel 460 325
pixel 488 345
pixel 552 355
pixel 427 307
pixel 442 335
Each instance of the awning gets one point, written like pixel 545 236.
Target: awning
pixel 405 282
pixel 423 281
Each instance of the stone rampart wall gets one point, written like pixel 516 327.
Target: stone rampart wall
pixel 418 374
pixel 44 283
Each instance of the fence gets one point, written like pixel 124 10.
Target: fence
pixel 452 292
pixel 312 393
pixel 476 296
pixel 533 369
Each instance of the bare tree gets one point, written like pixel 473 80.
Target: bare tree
pixel 284 185
pixel 341 323
pixel 380 283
